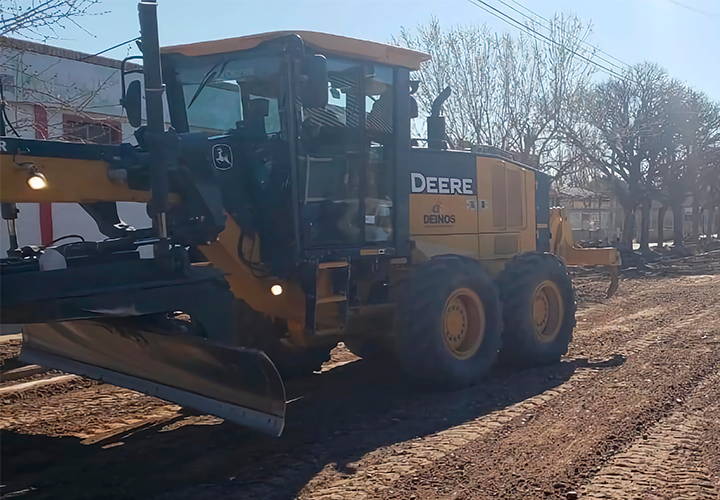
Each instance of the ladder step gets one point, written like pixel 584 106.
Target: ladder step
pixel 330 331
pixel 331 298
pixel 332 265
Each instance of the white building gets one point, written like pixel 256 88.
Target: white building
pixel 59 94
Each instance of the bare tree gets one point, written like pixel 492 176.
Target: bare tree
pixel 691 167
pixel 508 92
pixel 41 19
pixel 621 134
pixel 44 20
pixel 28 83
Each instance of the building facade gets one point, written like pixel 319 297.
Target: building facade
pixel 54 93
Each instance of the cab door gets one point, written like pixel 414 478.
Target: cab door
pixel 330 162
pixel 346 160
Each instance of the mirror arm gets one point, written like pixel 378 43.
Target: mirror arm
pixel 123 73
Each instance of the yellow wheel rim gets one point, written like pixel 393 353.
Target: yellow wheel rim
pixel 463 323
pixel 548 311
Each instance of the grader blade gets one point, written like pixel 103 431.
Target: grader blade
pixel 563 245
pixel 241 385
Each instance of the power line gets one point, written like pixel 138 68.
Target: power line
pixel 549 25
pixel 111 48
pixel 534 33
pixel 694 9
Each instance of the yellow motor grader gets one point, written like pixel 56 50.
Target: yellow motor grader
pixel 290 210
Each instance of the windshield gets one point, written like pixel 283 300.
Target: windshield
pixel 229 92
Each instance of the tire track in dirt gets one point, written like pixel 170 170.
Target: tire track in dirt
pixel 351 418
pixel 664 464
pixel 571 438
pixel 379 468
pixel 375 474
pixel 81 408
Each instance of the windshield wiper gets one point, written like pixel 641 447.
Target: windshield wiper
pixel 206 79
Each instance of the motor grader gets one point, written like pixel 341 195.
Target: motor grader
pixel 290 210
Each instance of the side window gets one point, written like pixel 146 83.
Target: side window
pixel 270 114
pixel 216 109
pixel 331 160
pixel 379 151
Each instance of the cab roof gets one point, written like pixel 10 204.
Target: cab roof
pixel 326 43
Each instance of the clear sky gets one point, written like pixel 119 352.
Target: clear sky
pixel 683 36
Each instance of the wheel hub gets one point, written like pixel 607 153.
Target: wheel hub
pixel 463 324
pixel 456 323
pixel 548 311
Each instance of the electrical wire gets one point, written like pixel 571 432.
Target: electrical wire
pixel 255 267
pixel 111 48
pixel 548 23
pixel 66 237
pixel 693 9
pixel 4 111
pixel 535 34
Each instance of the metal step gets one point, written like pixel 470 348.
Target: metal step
pixel 333 265
pixel 331 299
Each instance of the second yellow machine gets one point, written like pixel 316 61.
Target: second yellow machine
pixel 291 210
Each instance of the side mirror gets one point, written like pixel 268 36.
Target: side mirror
pixel 413 107
pixel 132 102
pixel 313 89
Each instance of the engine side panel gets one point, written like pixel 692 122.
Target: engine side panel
pixel 443 202
pixel 506 210
pixel 477 206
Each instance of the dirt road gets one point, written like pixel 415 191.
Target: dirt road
pixel 632 412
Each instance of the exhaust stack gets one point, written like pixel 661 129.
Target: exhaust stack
pixel 436 122
pixel 155 136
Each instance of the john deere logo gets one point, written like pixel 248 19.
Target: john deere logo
pixel 440 185
pixel 222 156
pixel 437 217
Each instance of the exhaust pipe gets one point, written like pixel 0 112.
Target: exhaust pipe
pixel 436 122
pixel 154 135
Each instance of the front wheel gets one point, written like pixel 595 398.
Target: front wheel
pixel 450 323
pixel 538 310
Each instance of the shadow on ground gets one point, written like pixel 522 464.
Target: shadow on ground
pixel 338 417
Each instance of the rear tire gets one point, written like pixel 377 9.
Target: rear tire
pixel 538 310
pixel 450 323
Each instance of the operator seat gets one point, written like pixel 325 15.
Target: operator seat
pixel 254 116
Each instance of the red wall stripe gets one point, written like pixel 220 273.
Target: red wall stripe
pixel 46 219
pixel 41 122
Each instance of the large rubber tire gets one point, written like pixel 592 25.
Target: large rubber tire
pixel 538 310
pixel 424 306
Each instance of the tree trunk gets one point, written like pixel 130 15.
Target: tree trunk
pixel 645 207
pixel 628 230
pixel 707 227
pixel 678 215
pixel 697 212
pixel 661 227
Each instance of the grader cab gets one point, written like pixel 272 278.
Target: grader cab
pixel 291 210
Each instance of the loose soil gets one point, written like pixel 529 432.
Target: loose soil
pixel 632 412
